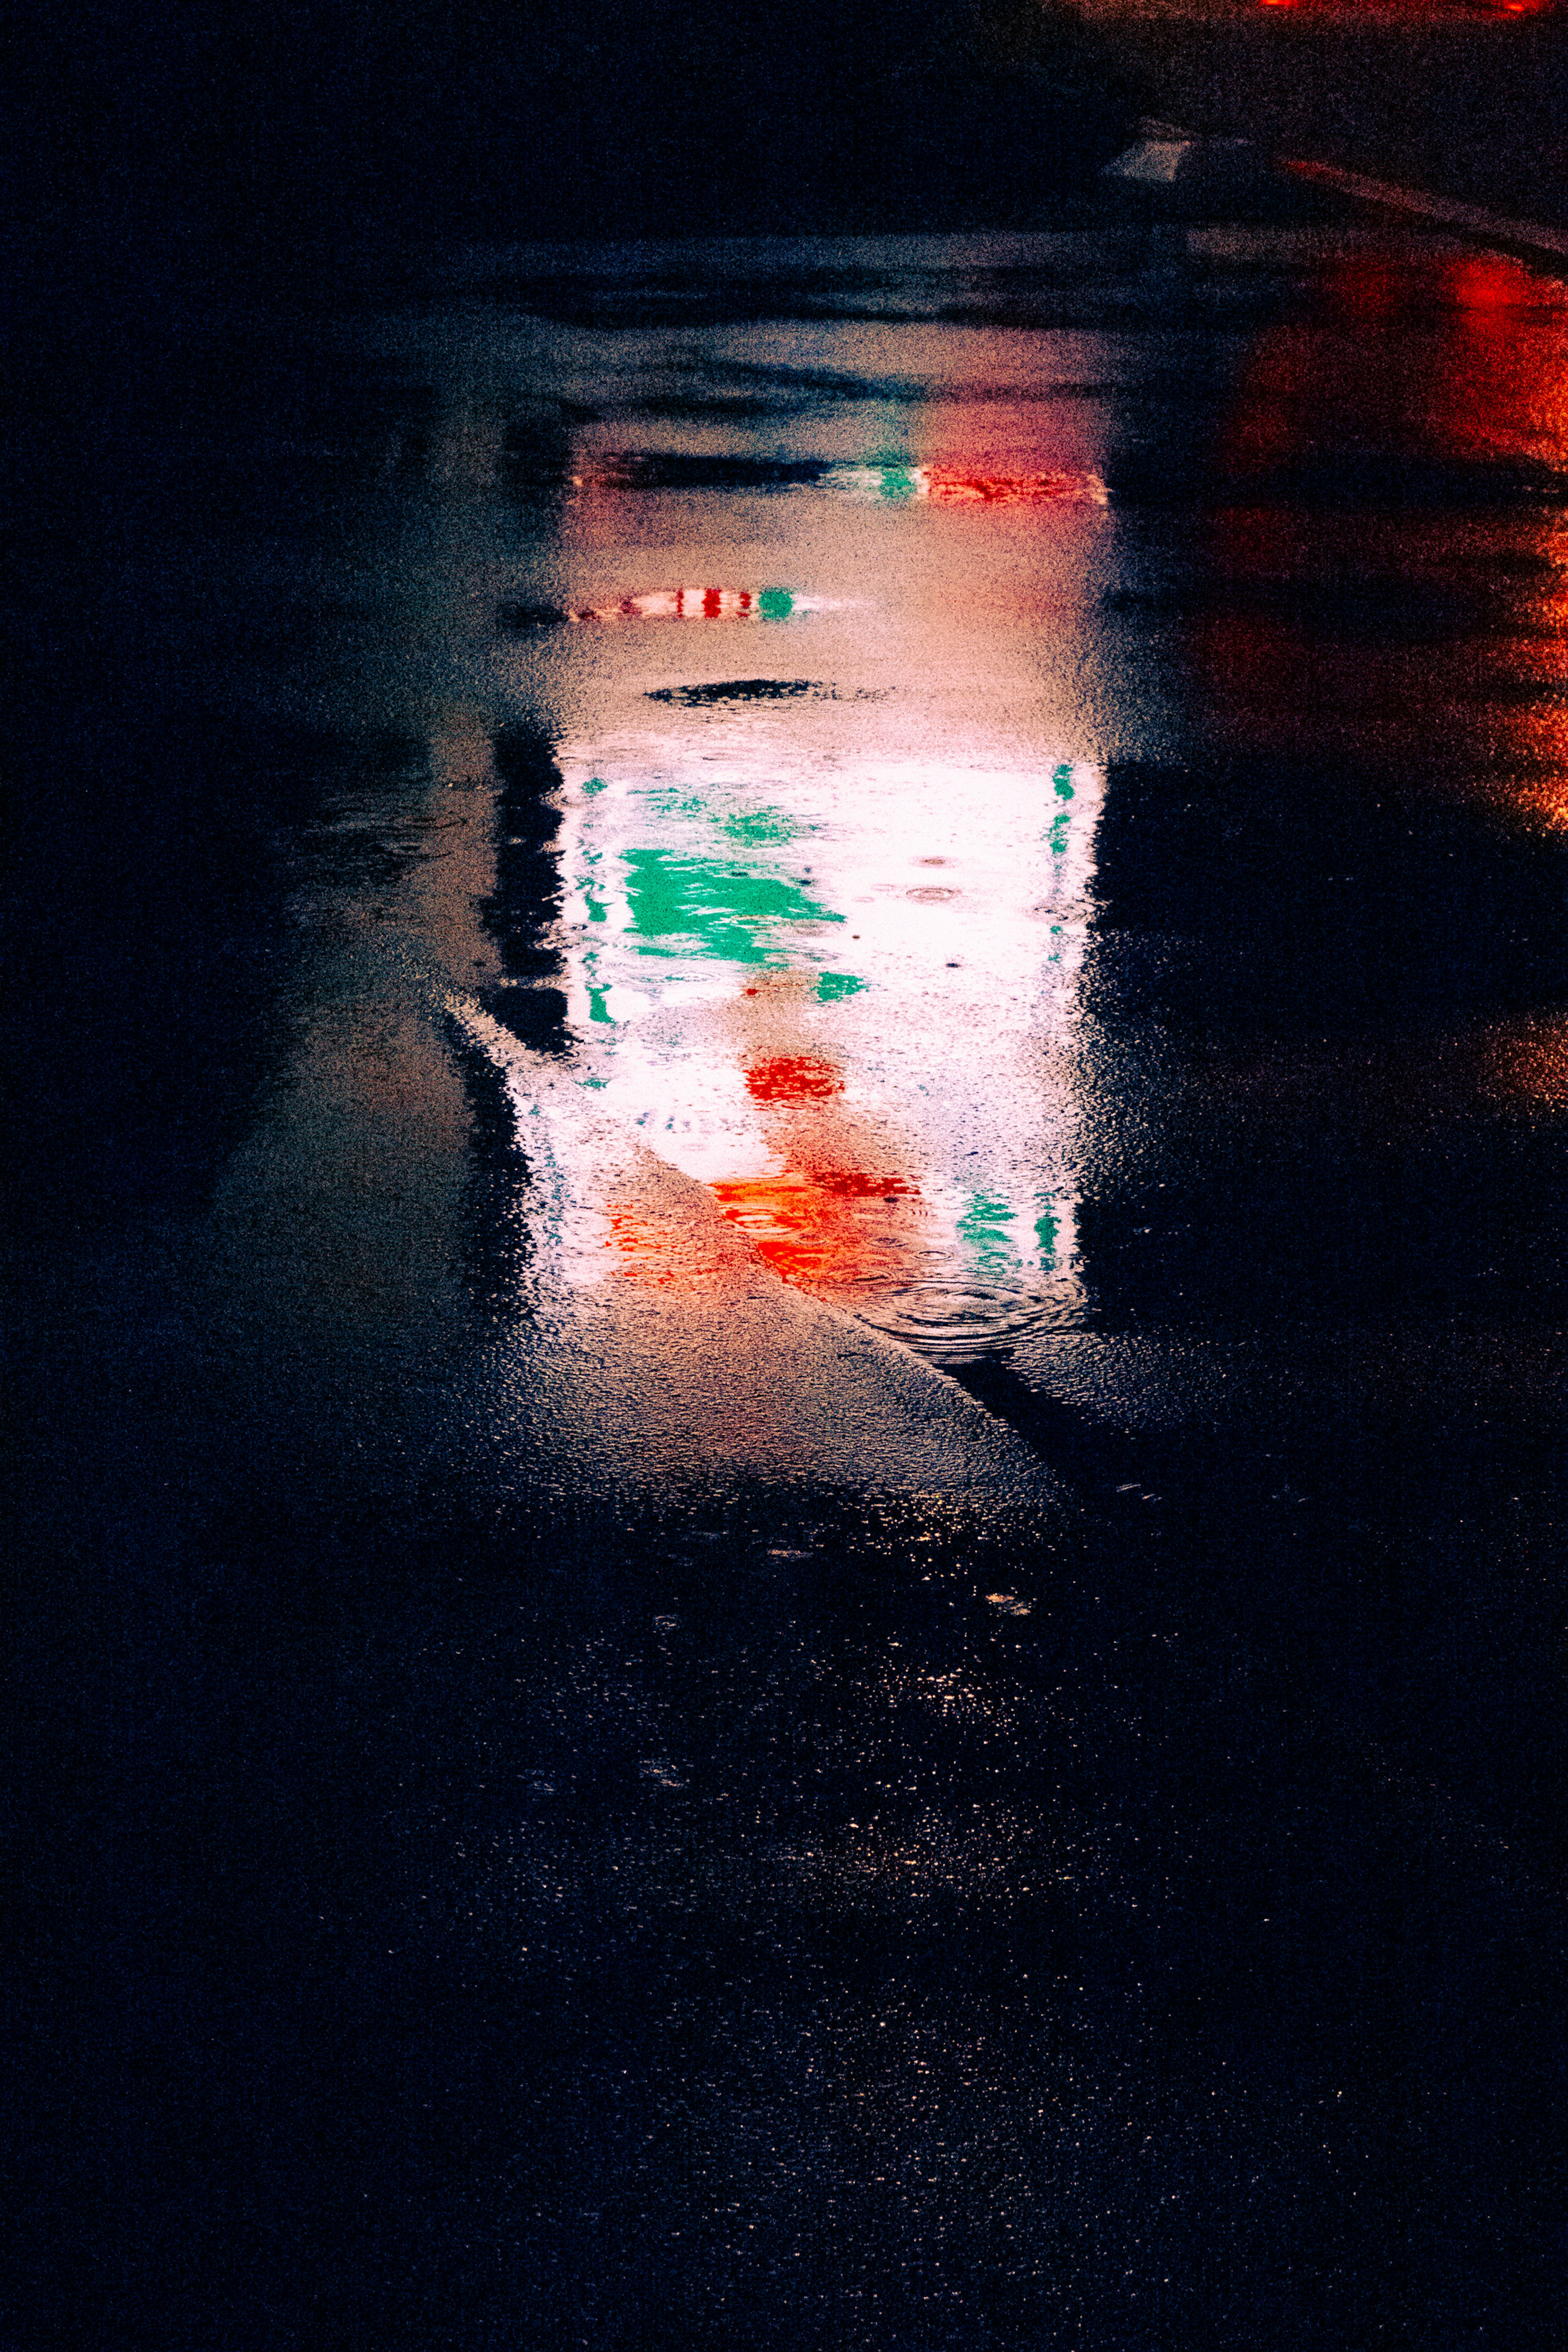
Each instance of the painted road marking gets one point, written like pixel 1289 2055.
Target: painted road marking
pixel 1165 152
pixel 1533 235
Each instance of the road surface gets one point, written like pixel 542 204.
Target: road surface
pixel 792 1495
pixel 1441 99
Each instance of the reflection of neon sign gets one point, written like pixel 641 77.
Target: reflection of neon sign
pixel 702 914
pixel 794 1078
pixel 710 908
pixel 820 1229
pixel 1419 7
pixel 965 484
pixel 896 476
pixel 698 605
pixel 953 483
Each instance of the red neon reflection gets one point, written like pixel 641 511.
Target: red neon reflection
pixel 854 1184
pixel 678 604
pixel 794 1078
pixel 956 484
pixel 814 1230
pixel 1460 363
pixel 811 1230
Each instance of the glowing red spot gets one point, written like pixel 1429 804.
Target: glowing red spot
pixel 794 1078
pixel 711 600
pixel 810 1230
pixel 1488 281
pixel 785 1225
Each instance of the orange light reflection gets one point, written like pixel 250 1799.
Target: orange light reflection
pixel 661 1250
pixel 825 1229
pixel 959 485
pixel 1519 1064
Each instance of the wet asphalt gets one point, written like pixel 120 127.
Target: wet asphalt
pixel 1458 102
pixel 792 1257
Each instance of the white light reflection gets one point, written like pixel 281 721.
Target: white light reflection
pixel 840 1003
pixel 824 919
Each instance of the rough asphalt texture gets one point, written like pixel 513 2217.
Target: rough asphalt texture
pixel 1472 111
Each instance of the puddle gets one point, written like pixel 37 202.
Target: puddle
pixel 954 1323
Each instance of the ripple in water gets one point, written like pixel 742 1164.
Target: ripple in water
pixel 954 1320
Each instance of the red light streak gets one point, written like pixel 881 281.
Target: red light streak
pixel 955 484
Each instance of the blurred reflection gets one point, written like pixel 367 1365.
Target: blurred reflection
pixel 959 485
pixel 1338 919
pixel 812 938
pixel 671 604
pixel 897 477
pixel 1394 460
pixel 849 1094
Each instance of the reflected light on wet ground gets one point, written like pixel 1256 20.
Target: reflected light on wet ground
pixel 840 806
pixel 1389 547
pixel 822 902
pixel 1519 1064
pixel 730 1835
pixel 821 1002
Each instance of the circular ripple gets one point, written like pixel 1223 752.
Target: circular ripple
pixel 956 1322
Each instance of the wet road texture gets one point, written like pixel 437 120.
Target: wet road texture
pixel 793 1244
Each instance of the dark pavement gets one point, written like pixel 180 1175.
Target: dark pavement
pixel 792 1107
pixel 1437 101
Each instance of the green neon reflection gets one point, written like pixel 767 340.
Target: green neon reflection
pixel 763 825
pixel 983 1225
pixel 719 911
